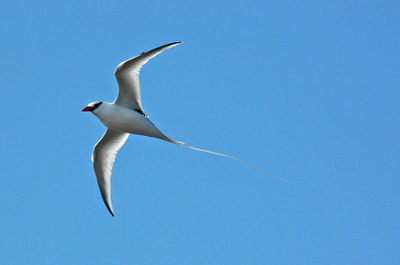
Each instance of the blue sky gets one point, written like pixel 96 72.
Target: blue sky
pixel 305 89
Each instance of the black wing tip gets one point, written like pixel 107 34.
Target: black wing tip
pixel 111 212
pixel 109 209
pixel 173 43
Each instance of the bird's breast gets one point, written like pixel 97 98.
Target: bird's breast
pixel 130 121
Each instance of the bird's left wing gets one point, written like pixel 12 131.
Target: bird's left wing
pixel 103 157
pixel 127 75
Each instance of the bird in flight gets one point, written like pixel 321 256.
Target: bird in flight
pixel 126 116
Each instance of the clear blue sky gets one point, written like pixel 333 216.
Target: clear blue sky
pixel 307 90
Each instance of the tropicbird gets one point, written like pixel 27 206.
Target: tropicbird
pixel 126 116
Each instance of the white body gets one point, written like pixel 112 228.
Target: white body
pixel 125 120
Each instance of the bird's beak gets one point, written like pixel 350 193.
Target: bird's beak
pixel 87 109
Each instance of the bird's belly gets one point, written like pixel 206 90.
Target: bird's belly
pixel 133 122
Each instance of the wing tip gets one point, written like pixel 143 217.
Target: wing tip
pixel 175 43
pixel 108 203
pixel 110 210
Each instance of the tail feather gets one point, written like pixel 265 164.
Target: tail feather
pixel 230 157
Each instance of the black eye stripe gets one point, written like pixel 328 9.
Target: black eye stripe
pixel 97 105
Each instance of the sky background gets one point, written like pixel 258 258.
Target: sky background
pixel 308 90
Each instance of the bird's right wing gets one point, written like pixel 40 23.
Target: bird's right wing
pixel 103 157
pixel 127 75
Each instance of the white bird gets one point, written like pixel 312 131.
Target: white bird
pixel 126 116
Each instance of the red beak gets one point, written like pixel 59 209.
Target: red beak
pixel 87 109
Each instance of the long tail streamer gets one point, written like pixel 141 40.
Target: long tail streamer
pixel 230 157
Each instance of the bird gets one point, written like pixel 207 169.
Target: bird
pixel 126 116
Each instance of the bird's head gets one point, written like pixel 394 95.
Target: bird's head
pixel 92 106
